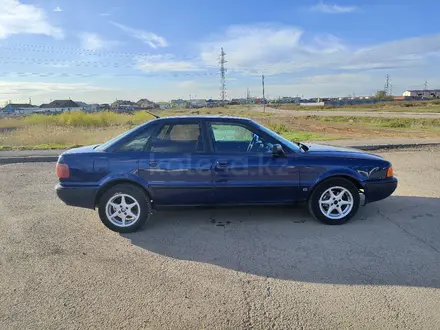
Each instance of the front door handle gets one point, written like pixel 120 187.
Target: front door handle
pixel 221 164
pixel 153 164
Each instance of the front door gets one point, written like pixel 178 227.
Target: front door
pixel 177 168
pixel 245 171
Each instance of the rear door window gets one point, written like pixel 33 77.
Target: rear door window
pixel 178 138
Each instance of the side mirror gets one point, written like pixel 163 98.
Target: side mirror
pixel 277 150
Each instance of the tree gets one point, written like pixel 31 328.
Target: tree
pixel 381 95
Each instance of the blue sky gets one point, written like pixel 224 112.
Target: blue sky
pixel 97 51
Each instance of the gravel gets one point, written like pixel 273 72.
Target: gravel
pixel 241 268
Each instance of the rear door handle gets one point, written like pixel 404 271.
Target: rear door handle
pixel 153 164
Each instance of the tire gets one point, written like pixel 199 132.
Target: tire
pixel 124 208
pixel 321 200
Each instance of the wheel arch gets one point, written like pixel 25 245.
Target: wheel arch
pixel 109 184
pixel 357 183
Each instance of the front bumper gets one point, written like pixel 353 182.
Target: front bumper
pixel 77 196
pixel 380 189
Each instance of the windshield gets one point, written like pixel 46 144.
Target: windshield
pixel 288 143
pixel 107 144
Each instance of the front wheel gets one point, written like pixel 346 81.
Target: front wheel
pixel 124 208
pixel 335 201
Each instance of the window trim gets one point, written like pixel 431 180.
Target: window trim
pixel 253 129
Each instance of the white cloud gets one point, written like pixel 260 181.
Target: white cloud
pixel 58 9
pixel 333 9
pixel 187 84
pixel 270 50
pixel 40 92
pixel 109 12
pixel 93 41
pixel 149 38
pixel 165 62
pixel 16 18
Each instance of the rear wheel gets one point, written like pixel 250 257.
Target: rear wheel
pixel 334 201
pixel 124 208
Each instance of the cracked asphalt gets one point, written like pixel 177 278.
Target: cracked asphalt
pixel 241 268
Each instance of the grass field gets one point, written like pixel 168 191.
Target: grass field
pixel 77 128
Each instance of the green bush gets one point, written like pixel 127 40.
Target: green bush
pixel 278 127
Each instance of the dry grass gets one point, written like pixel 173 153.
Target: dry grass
pixel 76 128
pixel 57 137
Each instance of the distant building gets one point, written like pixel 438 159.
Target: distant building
pixel 59 106
pixel 104 107
pixel 212 103
pixel 146 104
pixel 179 103
pixel 19 109
pixel 427 93
pixel 123 106
pixel 197 103
pixel 164 105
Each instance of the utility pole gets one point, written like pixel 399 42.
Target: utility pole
pixel 264 100
pixel 387 85
pixel 426 84
pixel 223 70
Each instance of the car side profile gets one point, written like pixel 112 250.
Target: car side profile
pixel 202 160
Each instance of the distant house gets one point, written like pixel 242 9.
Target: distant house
pixel 60 106
pixel 81 104
pixel 179 103
pixel 212 103
pixel 197 103
pixel 19 109
pixel 88 107
pixel 146 104
pixel 428 93
pixel 123 106
pixel 104 107
pixel 164 105
pixel 238 101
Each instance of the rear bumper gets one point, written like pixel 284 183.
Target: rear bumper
pixel 77 196
pixel 381 189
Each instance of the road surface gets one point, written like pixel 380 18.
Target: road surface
pixel 332 113
pixel 244 268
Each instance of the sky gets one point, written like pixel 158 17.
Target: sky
pixel 102 50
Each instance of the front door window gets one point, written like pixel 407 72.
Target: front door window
pixel 232 138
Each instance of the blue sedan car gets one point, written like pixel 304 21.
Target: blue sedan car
pixel 194 161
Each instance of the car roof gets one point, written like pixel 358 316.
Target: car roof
pixel 217 118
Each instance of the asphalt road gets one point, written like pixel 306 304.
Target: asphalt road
pixel 326 113
pixel 261 268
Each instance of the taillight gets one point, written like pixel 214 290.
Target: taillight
pixel 390 172
pixel 63 171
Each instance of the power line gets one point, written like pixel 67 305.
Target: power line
pixel 84 51
pixel 89 75
pixel 223 70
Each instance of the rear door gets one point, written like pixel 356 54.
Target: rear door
pixel 245 171
pixel 177 167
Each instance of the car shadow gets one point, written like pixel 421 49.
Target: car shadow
pixel 392 242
